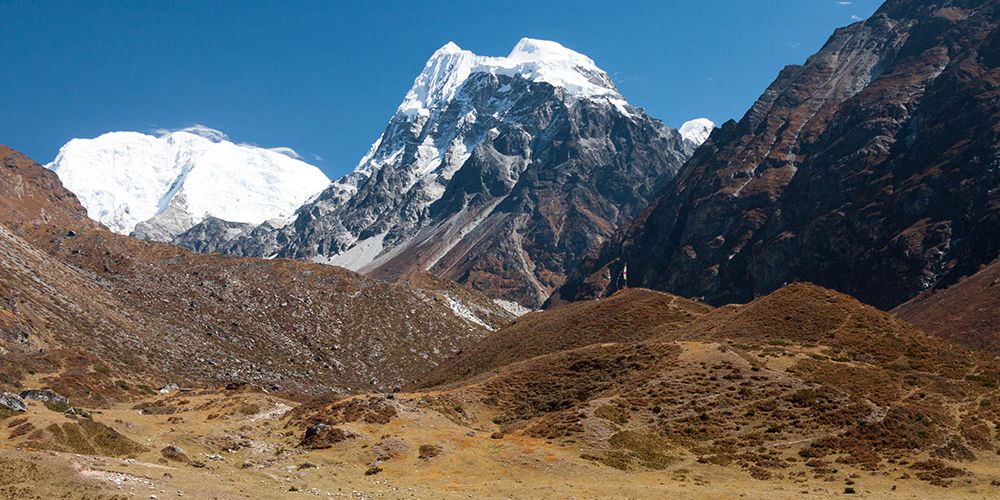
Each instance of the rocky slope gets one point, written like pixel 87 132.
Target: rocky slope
pixel 157 187
pixel 871 169
pixel 498 172
pixel 87 306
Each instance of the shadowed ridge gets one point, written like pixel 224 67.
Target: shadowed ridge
pixel 966 313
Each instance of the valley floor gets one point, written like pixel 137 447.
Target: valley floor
pixel 242 445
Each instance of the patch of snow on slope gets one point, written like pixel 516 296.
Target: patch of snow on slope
pixel 464 312
pixel 361 253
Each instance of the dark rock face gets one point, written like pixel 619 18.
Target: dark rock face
pixel 872 169
pixel 207 235
pixel 527 181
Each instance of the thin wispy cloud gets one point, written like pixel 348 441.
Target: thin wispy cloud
pixel 857 18
pixel 844 3
pixel 216 135
pixel 287 151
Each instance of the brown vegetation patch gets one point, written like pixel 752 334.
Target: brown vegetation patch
pixel 84 436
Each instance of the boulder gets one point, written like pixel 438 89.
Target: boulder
pixel 12 402
pixel 174 453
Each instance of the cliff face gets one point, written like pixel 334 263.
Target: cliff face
pixel 872 169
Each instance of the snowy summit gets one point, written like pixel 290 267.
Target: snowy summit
pixel 697 130
pixel 179 178
pixel 535 60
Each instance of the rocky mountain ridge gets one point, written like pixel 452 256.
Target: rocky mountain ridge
pixel 871 169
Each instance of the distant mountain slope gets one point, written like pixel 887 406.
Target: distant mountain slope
pixel 966 313
pixel 159 187
pixel 498 172
pixel 102 306
pixel 871 169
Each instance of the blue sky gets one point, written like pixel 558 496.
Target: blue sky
pixel 323 77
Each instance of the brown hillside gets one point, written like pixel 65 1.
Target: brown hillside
pixel 966 313
pixel 802 313
pixel 32 196
pixel 799 383
pixel 156 311
pixel 628 316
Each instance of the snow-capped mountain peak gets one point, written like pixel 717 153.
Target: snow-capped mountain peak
pixel 178 178
pixel 697 130
pixel 491 172
pixel 445 71
pixel 534 60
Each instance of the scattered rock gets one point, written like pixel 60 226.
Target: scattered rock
pixel 80 412
pixel 497 435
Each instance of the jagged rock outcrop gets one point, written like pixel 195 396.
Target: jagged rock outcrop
pixel 872 169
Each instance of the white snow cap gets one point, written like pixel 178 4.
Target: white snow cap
pixel 124 178
pixel 536 60
pixel 697 130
